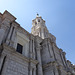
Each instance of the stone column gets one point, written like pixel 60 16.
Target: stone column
pixel 65 59
pixel 33 51
pixel 1 35
pixel 15 41
pixel 42 33
pixel 61 70
pixel 40 71
pixel 51 52
pixel 13 38
pixel 61 55
pixel 48 44
pixel 8 38
pixel 30 71
pixel 1 61
pixel 54 51
pixel 30 48
pixel 55 69
pixel 34 71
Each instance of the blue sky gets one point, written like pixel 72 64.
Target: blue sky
pixel 58 14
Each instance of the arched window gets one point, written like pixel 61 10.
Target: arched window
pixel 35 23
pixel 38 20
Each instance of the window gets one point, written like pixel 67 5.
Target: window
pixel 19 48
pixel 38 20
pixel 35 23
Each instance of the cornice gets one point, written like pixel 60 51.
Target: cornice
pixel 6 12
pixel 49 64
pixel 13 52
pixel 20 56
pixel 33 61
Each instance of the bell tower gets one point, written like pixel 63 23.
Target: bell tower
pixel 39 28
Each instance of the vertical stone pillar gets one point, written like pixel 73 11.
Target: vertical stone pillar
pixel 40 71
pixel 30 48
pixel 39 32
pixel 1 35
pixel 13 38
pixel 49 48
pixel 32 67
pixel 54 51
pixel 61 70
pixel 61 55
pixel 65 59
pixel 51 52
pixel 30 71
pixel 42 33
pixel 33 50
pixel 1 61
pixel 34 71
pixel 8 38
pixel 55 69
pixel 15 41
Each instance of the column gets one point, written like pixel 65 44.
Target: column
pixel 33 50
pixel 48 44
pixel 42 33
pixel 65 59
pixel 40 71
pixel 34 71
pixel 1 35
pixel 62 60
pixel 8 38
pixel 15 41
pixel 56 70
pixel 54 52
pixel 1 61
pixel 51 52
pixel 30 71
pixel 13 38
pixel 30 48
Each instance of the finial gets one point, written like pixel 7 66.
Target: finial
pixel 37 14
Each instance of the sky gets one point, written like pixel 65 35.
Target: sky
pixel 58 14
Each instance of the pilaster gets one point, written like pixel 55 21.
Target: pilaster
pixel 39 66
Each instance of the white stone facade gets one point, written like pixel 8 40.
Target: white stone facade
pixel 22 53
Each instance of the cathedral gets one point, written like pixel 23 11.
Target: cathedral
pixel 35 53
